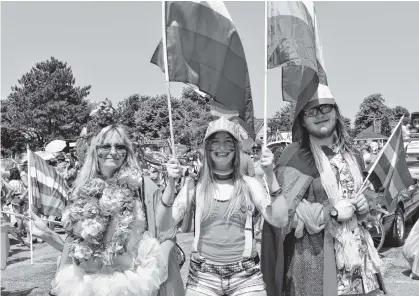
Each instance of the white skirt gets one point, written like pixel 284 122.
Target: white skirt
pixel 144 280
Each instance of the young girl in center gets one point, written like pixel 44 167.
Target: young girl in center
pixel 224 259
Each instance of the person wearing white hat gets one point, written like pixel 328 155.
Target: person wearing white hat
pixel 224 260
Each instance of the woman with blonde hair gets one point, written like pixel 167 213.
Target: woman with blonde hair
pixel 113 247
pixel 224 260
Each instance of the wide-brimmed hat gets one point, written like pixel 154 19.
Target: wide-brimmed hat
pixel 223 124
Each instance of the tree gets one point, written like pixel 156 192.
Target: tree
pixel 44 106
pixel 190 115
pixel 348 125
pixel 400 111
pixel 127 109
pixel 282 119
pixel 373 109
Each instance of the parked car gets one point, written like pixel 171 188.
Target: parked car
pixel 394 214
pixel 412 146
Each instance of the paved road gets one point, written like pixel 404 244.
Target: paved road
pixel 22 278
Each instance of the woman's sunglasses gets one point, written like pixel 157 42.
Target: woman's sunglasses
pixel 119 148
pixel 323 109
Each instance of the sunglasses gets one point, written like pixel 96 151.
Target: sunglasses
pixel 323 109
pixel 119 148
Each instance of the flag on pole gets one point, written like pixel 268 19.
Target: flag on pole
pixel 390 166
pixel 294 45
pixel 49 192
pixel 205 50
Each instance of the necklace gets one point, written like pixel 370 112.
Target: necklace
pixel 223 175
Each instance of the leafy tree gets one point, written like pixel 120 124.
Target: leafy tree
pixel 44 106
pixel 373 109
pixel 282 119
pixel 127 109
pixel 190 117
pixel 348 124
pixel 400 111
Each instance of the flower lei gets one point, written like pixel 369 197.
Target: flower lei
pixel 87 219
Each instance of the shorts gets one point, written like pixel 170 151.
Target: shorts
pixel 225 279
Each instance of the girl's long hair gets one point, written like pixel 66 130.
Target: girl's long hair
pixel 90 167
pixel 206 183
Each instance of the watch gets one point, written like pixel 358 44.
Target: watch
pixel 333 213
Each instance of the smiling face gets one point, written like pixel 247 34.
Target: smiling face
pixel 322 125
pixel 111 153
pixel 222 150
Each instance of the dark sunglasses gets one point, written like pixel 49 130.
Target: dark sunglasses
pixel 120 148
pixel 323 109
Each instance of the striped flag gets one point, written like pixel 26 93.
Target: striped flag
pixel 294 45
pixel 205 50
pixel 49 192
pixel 390 167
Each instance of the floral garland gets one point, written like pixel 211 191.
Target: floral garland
pixel 89 216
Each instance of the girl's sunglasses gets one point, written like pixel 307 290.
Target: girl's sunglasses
pixel 119 148
pixel 323 109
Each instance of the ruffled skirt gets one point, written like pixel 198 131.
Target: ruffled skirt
pixel 149 273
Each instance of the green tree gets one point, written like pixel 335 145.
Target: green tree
pixel 348 124
pixel 371 110
pixel 400 111
pixel 190 115
pixel 282 119
pixel 127 109
pixel 44 106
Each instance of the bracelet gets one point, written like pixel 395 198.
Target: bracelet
pixel 276 193
pixel 166 205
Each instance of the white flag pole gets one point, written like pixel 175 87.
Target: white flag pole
pixel 265 113
pixel 166 72
pixel 30 199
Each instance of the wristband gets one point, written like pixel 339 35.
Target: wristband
pixel 276 193
pixel 166 205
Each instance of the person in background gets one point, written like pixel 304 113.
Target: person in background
pixel 19 193
pixel 374 149
pixel 70 171
pixel 246 164
pixel 259 175
pixel 366 155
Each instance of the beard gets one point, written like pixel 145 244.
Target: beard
pixel 322 132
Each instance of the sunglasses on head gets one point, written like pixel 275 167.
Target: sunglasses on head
pixel 323 109
pixel 119 148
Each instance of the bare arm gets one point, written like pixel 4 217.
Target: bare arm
pixel 273 209
pixel 54 240
pixel 169 212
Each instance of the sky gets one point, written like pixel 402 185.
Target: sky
pixel 368 47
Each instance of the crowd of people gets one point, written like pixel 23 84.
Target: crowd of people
pixel 122 215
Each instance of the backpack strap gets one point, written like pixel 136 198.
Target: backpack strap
pixel 197 226
pixel 248 229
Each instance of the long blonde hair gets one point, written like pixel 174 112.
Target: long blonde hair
pixel 90 167
pixel 206 183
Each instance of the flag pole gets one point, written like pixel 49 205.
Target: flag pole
pixel 265 112
pixel 363 187
pixel 30 198
pixel 166 72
